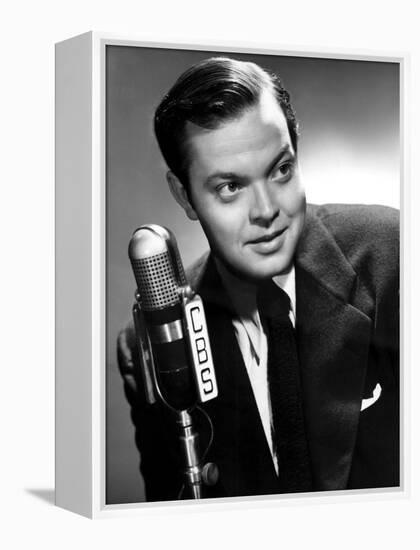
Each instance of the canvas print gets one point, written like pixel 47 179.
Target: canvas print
pixel 252 274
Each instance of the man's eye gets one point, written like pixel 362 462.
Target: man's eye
pixel 283 171
pixel 228 190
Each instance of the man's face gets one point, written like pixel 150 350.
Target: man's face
pixel 246 190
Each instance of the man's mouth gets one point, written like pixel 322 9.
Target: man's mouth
pixel 269 237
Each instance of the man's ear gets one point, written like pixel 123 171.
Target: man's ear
pixel 180 195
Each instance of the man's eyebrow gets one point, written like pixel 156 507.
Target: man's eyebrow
pixel 283 151
pixel 234 176
pixel 223 176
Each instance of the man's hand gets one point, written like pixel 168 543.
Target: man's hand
pixel 125 355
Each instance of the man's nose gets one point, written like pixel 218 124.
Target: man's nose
pixel 263 208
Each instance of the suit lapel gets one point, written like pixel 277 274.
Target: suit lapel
pixel 333 343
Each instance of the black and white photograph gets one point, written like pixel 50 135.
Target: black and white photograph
pixel 252 274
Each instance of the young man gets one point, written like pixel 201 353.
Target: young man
pixel 301 303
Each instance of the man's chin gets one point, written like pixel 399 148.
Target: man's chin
pixel 258 271
pixel 267 268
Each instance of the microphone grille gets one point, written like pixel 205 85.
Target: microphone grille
pixel 156 281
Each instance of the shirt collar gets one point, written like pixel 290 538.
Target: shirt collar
pixel 243 297
pixel 287 282
pixel 243 294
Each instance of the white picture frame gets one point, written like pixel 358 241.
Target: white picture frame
pixel 81 298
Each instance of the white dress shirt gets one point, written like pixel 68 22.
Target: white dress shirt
pixel 253 341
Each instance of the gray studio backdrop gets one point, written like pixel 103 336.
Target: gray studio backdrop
pixel 349 152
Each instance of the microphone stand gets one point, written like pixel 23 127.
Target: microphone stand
pixel 193 471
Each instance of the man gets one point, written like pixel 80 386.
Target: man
pixel 307 401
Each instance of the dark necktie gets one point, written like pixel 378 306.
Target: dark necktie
pixel 289 437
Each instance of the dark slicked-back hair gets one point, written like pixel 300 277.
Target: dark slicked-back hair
pixel 209 94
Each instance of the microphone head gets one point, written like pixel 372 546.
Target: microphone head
pixel 157 267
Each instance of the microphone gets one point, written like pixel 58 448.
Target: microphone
pixel 173 343
pixel 170 323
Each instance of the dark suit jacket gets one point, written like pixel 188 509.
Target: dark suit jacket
pixel 347 310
